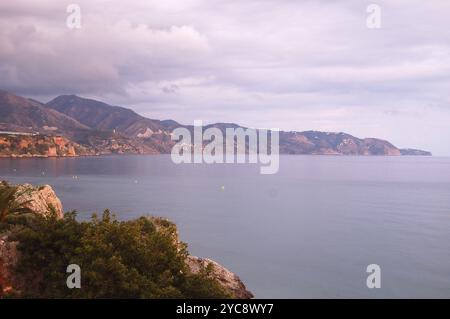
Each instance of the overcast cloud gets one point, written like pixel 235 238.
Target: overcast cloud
pixel 295 65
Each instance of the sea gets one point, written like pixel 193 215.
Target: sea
pixel 309 231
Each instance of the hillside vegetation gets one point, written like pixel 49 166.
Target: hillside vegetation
pixel 141 258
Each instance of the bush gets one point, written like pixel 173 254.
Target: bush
pixel 118 259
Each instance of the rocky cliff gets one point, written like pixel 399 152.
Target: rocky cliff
pixel 18 145
pixel 40 200
pixel 39 146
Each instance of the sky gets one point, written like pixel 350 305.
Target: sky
pixel 293 65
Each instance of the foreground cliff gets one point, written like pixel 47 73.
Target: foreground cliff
pixel 134 259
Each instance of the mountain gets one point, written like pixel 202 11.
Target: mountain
pixel 314 142
pixel 102 116
pixel 21 114
pixel 151 136
pixel 106 129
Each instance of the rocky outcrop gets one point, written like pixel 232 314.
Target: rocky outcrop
pixel 36 145
pixel 40 200
pixel 226 278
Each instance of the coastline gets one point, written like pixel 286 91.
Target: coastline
pixel 25 156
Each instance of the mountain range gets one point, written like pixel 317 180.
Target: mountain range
pixel 94 127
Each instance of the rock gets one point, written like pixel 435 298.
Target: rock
pixel 226 278
pixel 18 144
pixel 39 199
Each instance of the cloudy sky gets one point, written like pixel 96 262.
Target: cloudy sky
pixel 294 65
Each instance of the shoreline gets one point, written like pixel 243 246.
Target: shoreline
pixel 25 156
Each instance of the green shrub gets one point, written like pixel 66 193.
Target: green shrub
pixel 118 259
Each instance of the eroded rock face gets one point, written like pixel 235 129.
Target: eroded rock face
pixel 226 278
pixel 39 199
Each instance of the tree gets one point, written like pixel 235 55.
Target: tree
pixel 140 258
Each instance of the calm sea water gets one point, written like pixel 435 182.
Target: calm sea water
pixel 309 231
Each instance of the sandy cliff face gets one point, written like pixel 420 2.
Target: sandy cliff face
pixel 39 146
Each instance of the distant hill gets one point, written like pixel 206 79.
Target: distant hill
pixel 22 114
pixel 314 142
pixel 113 129
pixel 102 116
pixel 152 135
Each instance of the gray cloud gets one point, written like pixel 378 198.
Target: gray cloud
pixel 290 64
